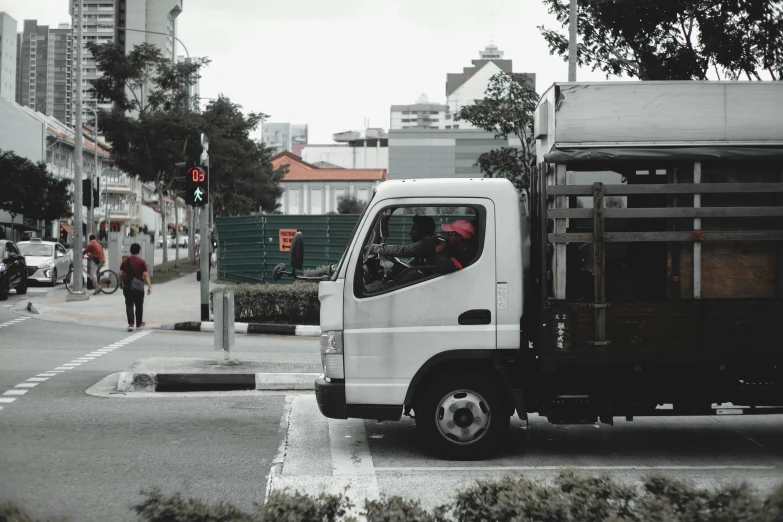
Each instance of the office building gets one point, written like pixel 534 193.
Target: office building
pixel 8 42
pixel 359 149
pixel 283 136
pixel 422 114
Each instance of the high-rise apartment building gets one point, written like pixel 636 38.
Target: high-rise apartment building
pixel 193 90
pixel 8 41
pixel 44 76
pixel 283 136
pixel 105 20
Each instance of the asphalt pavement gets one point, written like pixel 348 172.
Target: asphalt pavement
pixel 71 445
pixel 67 452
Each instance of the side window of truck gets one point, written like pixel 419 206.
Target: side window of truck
pixel 409 245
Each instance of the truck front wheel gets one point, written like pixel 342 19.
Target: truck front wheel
pixel 461 417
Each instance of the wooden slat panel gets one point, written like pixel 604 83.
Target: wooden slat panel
pixel 680 212
pixel 660 188
pixel 709 235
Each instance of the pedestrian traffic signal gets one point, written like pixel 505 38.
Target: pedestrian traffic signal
pixel 197 187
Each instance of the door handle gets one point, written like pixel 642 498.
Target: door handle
pixel 472 317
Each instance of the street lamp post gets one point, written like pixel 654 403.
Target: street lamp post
pixel 78 293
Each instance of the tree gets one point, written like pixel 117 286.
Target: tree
pixel 508 109
pixel 674 39
pixel 150 128
pixel 242 178
pixel 349 205
pixel 28 189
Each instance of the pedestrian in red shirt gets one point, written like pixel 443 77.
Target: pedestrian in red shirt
pixel 133 274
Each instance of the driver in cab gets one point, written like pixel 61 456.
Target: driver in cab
pixel 422 249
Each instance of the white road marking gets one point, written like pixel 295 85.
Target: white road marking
pixel 556 468
pixel 42 377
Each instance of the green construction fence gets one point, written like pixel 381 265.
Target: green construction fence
pixel 249 246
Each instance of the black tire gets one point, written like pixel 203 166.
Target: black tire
pixel 67 280
pixel 21 288
pixel 53 282
pixel 460 434
pixel 4 285
pixel 109 281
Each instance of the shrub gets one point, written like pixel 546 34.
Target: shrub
pixel 296 303
pixel 572 498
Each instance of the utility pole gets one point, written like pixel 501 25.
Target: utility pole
pixel 572 43
pixel 205 243
pixel 78 293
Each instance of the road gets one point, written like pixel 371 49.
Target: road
pixel 86 455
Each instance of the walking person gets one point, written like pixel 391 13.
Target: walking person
pixel 96 260
pixel 133 274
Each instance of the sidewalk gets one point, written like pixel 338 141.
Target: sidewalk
pixel 178 300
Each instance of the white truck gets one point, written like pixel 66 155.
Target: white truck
pixel 641 275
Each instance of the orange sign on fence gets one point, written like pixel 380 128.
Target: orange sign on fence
pixel 286 236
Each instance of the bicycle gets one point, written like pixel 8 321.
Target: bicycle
pixel 109 280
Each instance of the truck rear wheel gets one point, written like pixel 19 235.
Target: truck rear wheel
pixel 461 417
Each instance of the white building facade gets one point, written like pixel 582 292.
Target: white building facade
pixel 309 190
pixel 283 136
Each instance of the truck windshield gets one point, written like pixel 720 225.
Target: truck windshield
pixel 353 233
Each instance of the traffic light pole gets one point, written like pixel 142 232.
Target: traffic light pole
pixel 204 254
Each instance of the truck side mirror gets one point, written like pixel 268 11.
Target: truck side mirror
pixel 297 251
pixel 278 272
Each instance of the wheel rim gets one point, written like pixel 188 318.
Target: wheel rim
pixel 463 417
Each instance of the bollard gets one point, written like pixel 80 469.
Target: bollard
pixel 224 322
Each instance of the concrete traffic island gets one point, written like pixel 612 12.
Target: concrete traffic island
pixel 180 374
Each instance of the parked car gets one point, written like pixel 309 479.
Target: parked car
pixel 13 270
pixel 47 261
pixel 169 242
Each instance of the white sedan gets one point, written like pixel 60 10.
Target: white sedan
pixel 47 261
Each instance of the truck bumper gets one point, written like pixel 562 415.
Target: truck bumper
pixel 331 398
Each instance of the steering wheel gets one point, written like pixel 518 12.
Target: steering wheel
pixel 397 261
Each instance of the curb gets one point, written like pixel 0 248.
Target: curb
pixel 185 382
pixel 299 330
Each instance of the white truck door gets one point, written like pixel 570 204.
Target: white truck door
pixel 389 334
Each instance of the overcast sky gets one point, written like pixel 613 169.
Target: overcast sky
pixel 333 63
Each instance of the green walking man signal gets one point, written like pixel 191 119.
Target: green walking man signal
pixel 197 186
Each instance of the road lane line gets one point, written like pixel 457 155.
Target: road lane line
pixel 24 387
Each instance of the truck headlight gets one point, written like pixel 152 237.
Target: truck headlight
pixel 332 355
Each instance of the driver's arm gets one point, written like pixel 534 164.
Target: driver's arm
pixel 423 248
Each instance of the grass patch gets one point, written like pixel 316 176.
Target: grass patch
pixel 176 270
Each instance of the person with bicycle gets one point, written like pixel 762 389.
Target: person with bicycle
pixel 96 260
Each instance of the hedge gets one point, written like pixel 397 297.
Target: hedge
pixel 296 303
pixel 572 498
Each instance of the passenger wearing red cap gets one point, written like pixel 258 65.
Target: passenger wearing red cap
pixel 459 249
